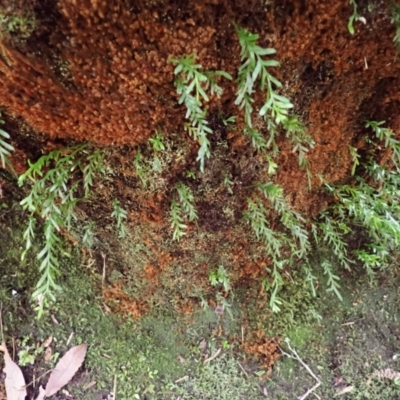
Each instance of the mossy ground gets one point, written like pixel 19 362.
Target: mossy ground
pixel 354 345
pixel 145 357
pixel 161 356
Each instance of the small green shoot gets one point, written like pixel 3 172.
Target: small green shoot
pixel 220 277
pixel 120 216
pixel 192 85
pixel 228 184
pixel 229 121
pixel 355 157
pixel 139 168
pixel 191 174
pixel 354 17
pixel 183 208
pixel 157 142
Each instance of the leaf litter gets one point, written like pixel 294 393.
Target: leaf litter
pixel 61 375
pixel 15 381
pixel 65 370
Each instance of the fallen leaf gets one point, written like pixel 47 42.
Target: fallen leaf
pixel 65 369
pixel 47 342
pixel 15 381
pixel 47 354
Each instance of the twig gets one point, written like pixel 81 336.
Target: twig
pixel 115 387
pixel 297 357
pixel 213 356
pixel 182 379
pixel 36 379
pixel 70 338
pixel 103 278
pixel 244 371
pixel 1 322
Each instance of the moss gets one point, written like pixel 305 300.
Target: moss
pixel 355 341
pixel 221 379
pixel 145 356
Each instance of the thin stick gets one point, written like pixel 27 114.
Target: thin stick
pixel 34 380
pixel 103 278
pixel 70 338
pixel 244 371
pixel 213 356
pixel 115 387
pixel 295 356
pixel 1 322
pixel 182 379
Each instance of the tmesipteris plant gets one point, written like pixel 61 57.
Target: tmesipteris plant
pixel 254 73
pixel 120 216
pixel 182 208
pixel 192 85
pixel 293 238
pixel 372 203
pixel 54 182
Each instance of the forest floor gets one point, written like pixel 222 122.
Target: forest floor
pixel 352 346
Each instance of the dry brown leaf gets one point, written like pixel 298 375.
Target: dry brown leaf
pixel 15 381
pixel 65 369
pixel 47 342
